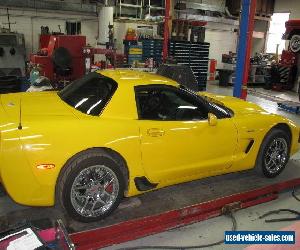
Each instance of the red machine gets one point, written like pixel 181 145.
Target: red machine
pixel 292 33
pixel 284 74
pixel 288 58
pixel 62 58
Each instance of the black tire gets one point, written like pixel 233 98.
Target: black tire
pixel 87 161
pixel 295 43
pixel 261 167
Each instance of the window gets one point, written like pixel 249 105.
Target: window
pixel 89 94
pixel 276 30
pixel 160 102
pixel 73 28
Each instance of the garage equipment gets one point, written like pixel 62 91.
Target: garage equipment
pixel 149 48
pixel 194 55
pixel 292 33
pixel 284 74
pixel 225 77
pixel 134 54
pixel 12 61
pixel 297 217
pixel 212 69
pixel 113 59
pixel 141 227
pixel 152 48
pixel 62 59
pixel 29 236
pixel 226 70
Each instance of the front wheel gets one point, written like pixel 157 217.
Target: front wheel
pixel 274 153
pixel 91 187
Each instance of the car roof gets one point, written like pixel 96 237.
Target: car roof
pixel 135 77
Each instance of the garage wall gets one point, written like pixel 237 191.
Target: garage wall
pixel 222 39
pixel 89 28
pixel 291 6
pixel 258 44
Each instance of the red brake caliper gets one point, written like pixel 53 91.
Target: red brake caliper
pixel 109 188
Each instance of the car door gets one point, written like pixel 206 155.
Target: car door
pixel 176 138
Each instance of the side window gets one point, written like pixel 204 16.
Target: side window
pixel 168 104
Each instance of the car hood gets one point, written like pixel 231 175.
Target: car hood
pixel 31 104
pixel 238 106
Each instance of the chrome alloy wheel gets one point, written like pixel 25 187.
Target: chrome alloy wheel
pixel 276 155
pixel 94 191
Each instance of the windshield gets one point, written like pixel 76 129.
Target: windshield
pixel 90 94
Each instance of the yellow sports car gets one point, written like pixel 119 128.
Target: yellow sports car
pixel 119 133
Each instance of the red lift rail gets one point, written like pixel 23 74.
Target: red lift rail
pixel 138 228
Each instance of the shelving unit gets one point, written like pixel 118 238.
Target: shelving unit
pixel 152 48
pixel 191 12
pixel 138 9
pixel 129 9
pixel 194 55
pixel 149 6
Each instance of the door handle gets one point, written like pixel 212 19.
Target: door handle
pixel 155 132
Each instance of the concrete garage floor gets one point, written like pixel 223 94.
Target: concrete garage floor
pixel 177 197
pixel 212 230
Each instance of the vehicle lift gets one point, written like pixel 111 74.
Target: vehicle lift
pixel 132 229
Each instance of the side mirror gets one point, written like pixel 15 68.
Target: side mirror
pixel 212 119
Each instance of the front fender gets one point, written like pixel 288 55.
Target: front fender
pixel 255 127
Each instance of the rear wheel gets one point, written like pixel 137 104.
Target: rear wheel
pixel 91 186
pixel 273 154
pixel 295 43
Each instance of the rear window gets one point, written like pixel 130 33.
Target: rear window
pixel 90 94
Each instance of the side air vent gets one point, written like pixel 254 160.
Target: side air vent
pixel 249 146
pixel 143 184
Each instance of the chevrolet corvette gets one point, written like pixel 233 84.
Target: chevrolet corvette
pixel 117 133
